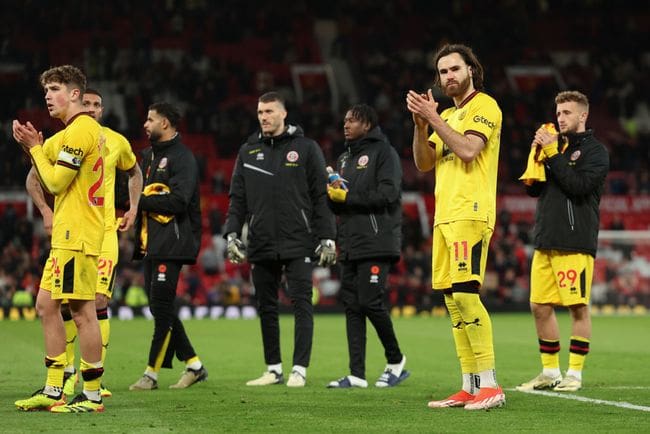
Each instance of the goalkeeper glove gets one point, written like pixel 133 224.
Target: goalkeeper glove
pixel 236 249
pixel 336 194
pixel 326 252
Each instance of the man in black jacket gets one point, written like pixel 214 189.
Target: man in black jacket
pixel 367 201
pixel 565 238
pixel 278 189
pixel 168 235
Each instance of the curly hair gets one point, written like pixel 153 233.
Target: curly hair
pixel 69 75
pixel 365 114
pixel 168 111
pixel 468 56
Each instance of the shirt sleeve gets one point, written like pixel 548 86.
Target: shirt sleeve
pixel 126 158
pixel 482 119
pixel 77 142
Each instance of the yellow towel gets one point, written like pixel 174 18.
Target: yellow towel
pixel 149 190
pixel 535 167
pixel 158 188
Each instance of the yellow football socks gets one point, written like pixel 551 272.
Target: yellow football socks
pixel 478 328
pixel 578 350
pixel 463 347
pixel 55 366
pixel 105 329
pixel 550 353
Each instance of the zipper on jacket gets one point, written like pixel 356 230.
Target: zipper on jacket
pixel 569 207
pixel 178 236
pixel 373 223
pixel 304 217
pixel 250 223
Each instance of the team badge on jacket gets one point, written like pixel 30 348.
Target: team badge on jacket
pixel 362 161
pixel 163 163
pixel 575 155
pixel 292 156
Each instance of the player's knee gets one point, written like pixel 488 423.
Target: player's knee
pixel 101 301
pixel 83 311
pixel 92 373
pixel 46 307
pixel 579 312
pixel 541 311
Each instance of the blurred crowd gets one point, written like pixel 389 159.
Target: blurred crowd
pixel 215 59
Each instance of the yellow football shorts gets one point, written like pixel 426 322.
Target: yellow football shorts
pixel 561 278
pixel 459 252
pixel 106 264
pixel 70 274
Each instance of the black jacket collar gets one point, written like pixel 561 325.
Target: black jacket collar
pixel 161 145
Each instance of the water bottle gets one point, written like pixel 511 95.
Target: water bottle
pixel 335 179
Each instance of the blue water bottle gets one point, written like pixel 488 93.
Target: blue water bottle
pixel 335 179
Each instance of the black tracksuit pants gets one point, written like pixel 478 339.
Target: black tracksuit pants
pixel 169 337
pixel 362 293
pixel 266 278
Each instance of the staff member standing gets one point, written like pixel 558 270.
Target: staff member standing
pixel 168 235
pixel 278 188
pixel 565 238
pixel 368 204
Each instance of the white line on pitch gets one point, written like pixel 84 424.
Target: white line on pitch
pixel 585 399
pixel 623 387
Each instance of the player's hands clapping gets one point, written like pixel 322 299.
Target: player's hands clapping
pixel 423 107
pixel 26 135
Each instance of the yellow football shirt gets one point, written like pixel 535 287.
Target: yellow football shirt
pixel 77 152
pixel 119 155
pixel 467 191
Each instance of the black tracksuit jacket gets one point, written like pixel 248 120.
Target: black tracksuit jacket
pixel 370 220
pixel 567 216
pixel 173 164
pixel 279 188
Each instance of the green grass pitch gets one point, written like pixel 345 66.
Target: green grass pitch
pixel 617 370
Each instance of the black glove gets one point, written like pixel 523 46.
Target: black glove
pixel 326 252
pixel 236 249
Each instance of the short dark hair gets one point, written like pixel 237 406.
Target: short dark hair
pixel 271 97
pixel 168 111
pixel 572 96
pixel 365 114
pixel 91 91
pixel 65 74
pixel 468 56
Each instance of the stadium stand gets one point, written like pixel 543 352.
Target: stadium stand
pixel 214 59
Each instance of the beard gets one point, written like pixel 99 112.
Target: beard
pixel 460 88
pixel 154 136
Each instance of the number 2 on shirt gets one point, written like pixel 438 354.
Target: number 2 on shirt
pixel 97 200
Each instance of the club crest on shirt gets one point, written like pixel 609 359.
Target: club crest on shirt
pixel 575 155
pixel 260 156
pixel 462 114
pixel 362 161
pixel 292 156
